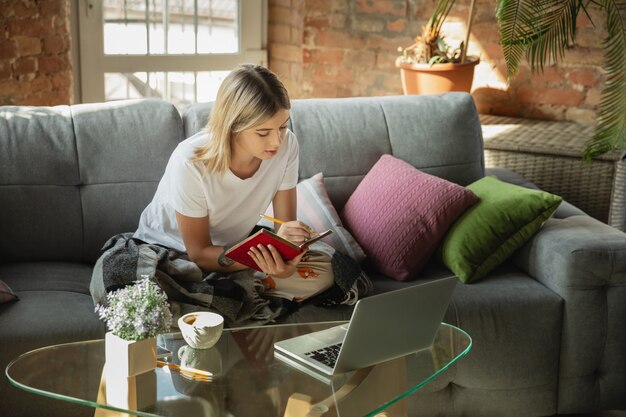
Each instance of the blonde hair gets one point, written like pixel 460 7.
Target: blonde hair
pixel 248 96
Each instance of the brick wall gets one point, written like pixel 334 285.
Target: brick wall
pixel 348 48
pixel 329 48
pixel 35 61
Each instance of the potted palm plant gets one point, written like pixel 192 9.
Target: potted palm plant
pixel 543 30
pixel 431 65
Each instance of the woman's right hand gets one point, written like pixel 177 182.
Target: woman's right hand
pixel 295 231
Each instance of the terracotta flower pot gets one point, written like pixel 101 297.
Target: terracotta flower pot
pixel 438 78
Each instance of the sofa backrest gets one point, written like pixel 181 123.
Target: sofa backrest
pixel 73 176
pixel 344 137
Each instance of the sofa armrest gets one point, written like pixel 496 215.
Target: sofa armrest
pixel 584 262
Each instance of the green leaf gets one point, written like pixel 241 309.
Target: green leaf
pixel 610 132
pixel 515 18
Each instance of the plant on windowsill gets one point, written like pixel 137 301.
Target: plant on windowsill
pixel 431 65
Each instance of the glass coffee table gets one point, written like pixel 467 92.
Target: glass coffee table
pixel 247 380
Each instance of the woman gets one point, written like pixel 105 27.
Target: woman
pixel 218 181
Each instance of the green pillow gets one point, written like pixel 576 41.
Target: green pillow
pixel 505 218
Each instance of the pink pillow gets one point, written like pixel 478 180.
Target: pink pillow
pixel 399 215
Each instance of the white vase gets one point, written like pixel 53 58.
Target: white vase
pixel 131 393
pixel 129 358
pixel 129 372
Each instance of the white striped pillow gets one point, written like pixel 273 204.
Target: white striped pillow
pixel 316 210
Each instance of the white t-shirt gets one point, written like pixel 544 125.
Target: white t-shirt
pixel 232 204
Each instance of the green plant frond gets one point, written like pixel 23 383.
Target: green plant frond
pixel 442 9
pixel 610 132
pixel 555 27
pixel 542 29
pixel 515 22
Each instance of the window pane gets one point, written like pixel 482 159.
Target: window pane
pixel 180 88
pixel 159 27
pixel 125 30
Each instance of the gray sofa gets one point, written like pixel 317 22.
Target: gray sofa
pixel 548 325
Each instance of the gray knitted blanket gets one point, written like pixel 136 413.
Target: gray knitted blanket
pixel 237 296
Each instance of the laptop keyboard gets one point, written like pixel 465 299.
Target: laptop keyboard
pixel 326 355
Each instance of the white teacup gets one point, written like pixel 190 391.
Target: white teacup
pixel 201 329
pixel 204 359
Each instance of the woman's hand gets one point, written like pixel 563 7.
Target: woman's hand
pixel 295 231
pixel 269 260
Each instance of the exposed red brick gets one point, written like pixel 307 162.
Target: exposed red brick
pixel 549 75
pixel 54 44
pixel 27 46
pixel 392 7
pixel 35 86
pixel 319 6
pixel 282 15
pixel 51 64
pixel 317 22
pixel 594 97
pixel 291 53
pixel 391 44
pixel 546 112
pixel 549 96
pixel 9 88
pixel 386 60
pixel 281 3
pixel 22 10
pixel 279 33
pixel 332 56
pixel 6 71
pixel 325 73
pixel 374 25
pixel 584 56
pixel 62 81
pixel 397 25
pixel 52 8
pixel 296 35
pixel 25 66
pixel 8 50
pixel 363 59
pixel 588 77
pixel 39 27
pixel 339 39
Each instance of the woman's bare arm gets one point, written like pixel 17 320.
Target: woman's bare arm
pixel 197 240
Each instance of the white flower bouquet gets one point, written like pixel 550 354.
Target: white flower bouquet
pixel 137 311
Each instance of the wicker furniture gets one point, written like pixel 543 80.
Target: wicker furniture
pixel 549 154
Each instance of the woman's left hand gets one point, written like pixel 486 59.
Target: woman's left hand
pixel 271 262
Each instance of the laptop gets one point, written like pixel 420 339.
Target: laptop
pixel 382 327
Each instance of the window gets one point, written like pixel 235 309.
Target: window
pixel 178 50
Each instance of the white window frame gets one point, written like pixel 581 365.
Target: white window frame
pixel 94 63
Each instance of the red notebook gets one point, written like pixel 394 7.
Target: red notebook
pixel 287 249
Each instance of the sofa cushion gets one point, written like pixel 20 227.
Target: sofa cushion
pixel 6 293
pixel 316 210
pixel 399 215
pixel 488 233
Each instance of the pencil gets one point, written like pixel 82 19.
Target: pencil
pixel 200 372
pixel 272 219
